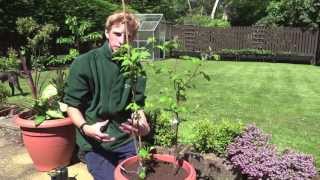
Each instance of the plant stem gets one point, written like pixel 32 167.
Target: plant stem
pixel 133 80
pixel 30 79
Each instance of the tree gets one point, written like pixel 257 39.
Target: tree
pixel 299 13
pixel 214 9
pixel 245 12
pixel 53 12
pixel 36 49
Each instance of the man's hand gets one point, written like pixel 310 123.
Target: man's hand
pixel 139 126
pixel 94 131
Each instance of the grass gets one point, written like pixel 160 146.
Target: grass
pixel 282 99
pixel 27 100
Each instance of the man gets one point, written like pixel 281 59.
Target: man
pixel 97 94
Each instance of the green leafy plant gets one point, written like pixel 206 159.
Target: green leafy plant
pixel 181 82
pixel 210 55
pixel 4 93
pixel 214 137
pixel 145 156
pixel 49 105
pixel 163 134
pixel 35 50
pixel 79 34
pixel 130 60
pixel 205 21
pixel 247 51
pixel 10 63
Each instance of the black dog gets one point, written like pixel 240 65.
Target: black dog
pixel 13 80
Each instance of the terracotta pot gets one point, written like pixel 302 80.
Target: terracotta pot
pixel 160 157
pixel 49 145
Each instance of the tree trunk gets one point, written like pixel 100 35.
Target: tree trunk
pixel 29 77
pixel 189 4
pixel 214 9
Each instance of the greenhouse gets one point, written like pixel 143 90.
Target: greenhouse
pixel 151 27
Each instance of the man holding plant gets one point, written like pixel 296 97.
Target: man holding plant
pixel 98 93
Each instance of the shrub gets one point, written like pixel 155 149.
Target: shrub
pixel 11 62
pixel 4 93
pixel 205 21
pixel 211 137
pixel 163 134
pixel 252 154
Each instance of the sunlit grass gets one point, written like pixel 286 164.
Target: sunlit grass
pixel 282 99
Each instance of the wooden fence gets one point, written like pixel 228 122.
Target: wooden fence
pixel 279 40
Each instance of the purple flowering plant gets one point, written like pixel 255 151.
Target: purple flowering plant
pixel 256 158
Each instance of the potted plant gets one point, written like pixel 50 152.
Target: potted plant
pixel 130 60
pixel 48 136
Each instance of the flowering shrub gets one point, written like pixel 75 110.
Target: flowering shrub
pixel 252 154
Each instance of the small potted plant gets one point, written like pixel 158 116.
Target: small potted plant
pixel 47 134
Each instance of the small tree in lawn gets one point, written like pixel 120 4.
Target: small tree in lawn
pixel 181 81
pixel 175 103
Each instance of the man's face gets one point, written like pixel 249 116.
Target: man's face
pixel 116 36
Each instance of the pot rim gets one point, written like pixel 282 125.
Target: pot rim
pixel 27 123
pixel 162 157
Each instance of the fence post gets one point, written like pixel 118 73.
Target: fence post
pixel 316 59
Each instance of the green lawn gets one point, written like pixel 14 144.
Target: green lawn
pixel 282 99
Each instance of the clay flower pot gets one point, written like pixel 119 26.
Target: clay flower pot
pixel 187 167
pixel 49 145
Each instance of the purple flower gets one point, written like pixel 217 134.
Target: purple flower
pixel 252 154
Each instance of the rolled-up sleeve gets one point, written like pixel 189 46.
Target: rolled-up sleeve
pixel 77 86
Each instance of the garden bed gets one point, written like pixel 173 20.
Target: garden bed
pixel 264 58
pixel 249 57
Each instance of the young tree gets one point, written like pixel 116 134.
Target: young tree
pixel 214 9
pixel 35 50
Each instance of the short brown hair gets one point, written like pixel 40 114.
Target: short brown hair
pixel 121 17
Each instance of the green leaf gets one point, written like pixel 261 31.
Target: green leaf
pixel 205 75
pixel 142 173
pixel 39 119
pixel 54 113
pixel 143 153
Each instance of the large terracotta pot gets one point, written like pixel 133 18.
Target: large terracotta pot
pixel 49 145
pixel 159 157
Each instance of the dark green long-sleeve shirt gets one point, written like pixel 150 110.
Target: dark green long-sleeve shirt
pixel 99 90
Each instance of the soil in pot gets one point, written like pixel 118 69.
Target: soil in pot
pixel 157 170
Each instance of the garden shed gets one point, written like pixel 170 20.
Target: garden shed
pixel 151 27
